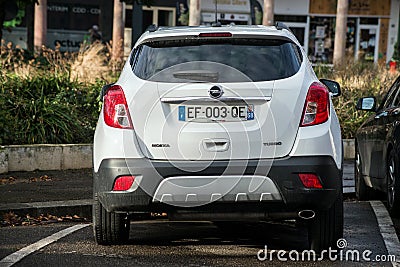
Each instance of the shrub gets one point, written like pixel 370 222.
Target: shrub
pixel 357 79
pixel 46 109
pixel 40 102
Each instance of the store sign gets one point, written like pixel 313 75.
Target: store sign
pixel 74 16
pixel 356 7
pixel 18 37
pixel 359 5
pixel 75 9
pixel 66 40
pixel 57 8
pixel 226 6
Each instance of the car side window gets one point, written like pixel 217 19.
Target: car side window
pixel 396 102
pixel 391 95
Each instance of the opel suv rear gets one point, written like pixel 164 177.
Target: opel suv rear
pixel 223 124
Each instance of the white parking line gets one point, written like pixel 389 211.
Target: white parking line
pixel 20 254
pixel 387 230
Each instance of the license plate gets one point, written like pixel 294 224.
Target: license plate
pixel 216 113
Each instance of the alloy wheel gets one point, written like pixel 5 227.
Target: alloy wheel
pixel 391 181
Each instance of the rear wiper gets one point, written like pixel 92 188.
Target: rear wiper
pixel 198 75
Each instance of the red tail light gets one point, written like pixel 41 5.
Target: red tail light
pixel 123 183
pixel 316 108
pixel 310 180
pixel 116 112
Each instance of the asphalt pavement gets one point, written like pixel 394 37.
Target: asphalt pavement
pixel 47 192
pixel 70 192
pixel 62 193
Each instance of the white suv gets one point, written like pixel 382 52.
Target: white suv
pixel 224 123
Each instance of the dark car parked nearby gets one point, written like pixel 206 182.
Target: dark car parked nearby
pixel 377 160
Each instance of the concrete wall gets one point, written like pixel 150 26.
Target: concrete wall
pixel 348 148
pixel 64 157
pixel 45 157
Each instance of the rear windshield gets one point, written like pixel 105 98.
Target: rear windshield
pixel 216 60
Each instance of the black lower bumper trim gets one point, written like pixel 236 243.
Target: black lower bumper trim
pixel 283 172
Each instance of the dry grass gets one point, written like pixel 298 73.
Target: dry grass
pixel 91 63
pixel 357 79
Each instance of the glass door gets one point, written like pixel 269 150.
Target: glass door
pixel 160 16
pixel 367 43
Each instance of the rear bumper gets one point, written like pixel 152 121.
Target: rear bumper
pixel 290 195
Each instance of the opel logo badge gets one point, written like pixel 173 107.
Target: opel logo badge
pixel 216 92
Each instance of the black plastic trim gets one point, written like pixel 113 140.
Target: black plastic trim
pixel 283 172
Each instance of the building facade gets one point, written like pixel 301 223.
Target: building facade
pixel 68 24
pixel 372 26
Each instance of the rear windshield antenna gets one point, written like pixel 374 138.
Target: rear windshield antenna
pixel 216 11
pixel 216 23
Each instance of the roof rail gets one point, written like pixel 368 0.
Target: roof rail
pixel 280 26
pixel 152 28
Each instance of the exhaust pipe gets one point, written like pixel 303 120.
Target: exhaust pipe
pixel 306 214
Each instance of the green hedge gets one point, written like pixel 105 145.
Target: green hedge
pixel 46 108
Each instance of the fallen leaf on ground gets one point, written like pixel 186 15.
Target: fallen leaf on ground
pixel 12 219
pixel 41 178
pixel 8 180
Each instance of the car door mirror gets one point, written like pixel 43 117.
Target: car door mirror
pixel 366 103
pixel 333 87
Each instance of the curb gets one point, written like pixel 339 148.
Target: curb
pixel 81 208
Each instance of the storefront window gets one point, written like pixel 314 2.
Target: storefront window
pixel 366 51
pixel 321 40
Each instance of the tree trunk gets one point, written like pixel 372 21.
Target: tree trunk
pixel 30 21
pixel 340 33
pixel 194 13
pixel 118 31
pixel 2 17
pixel 40 28
pixel 268 17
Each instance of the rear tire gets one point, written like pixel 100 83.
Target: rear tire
pixel 109 227
pixel 363 192
pixel 326 228
pixel 393 185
